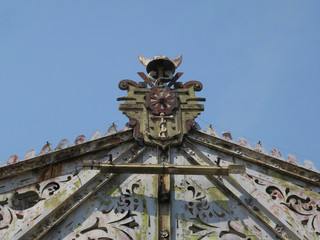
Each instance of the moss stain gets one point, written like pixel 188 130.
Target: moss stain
pixel 56 199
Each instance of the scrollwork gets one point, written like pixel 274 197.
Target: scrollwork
pixel 203 213
pixel 118 221
pixel 304 209
pixel 197 86
pixel 124 84
pixel 190 124
pixel 134 123
pixel 13 207
pixel 199 207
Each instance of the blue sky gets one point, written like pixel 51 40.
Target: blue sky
pixel 61 61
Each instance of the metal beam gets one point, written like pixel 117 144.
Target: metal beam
pixel 165 168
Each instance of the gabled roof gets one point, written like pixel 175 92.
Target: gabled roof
pixel 47 193
pixel 195 188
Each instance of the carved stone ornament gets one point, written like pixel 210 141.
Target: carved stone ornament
pixel 161 110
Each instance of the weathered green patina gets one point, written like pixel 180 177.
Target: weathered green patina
pixel 161 110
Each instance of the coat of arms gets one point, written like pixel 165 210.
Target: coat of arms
pixel 161 109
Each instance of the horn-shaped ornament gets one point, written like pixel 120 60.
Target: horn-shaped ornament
pixel 144 61
pixel 177 61
pixel 163 60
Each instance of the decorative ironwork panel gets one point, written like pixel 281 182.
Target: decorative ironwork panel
pixel 124 208
pixel 288 205
pixel 21 209
pixel 202 210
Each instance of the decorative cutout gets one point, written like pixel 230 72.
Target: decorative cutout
pixel 24 202
pixel 203 215
pixel 303 209
pixel 307 209
pixel 199 206
pixel 118 221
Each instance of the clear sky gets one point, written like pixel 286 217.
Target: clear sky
pixel 61 61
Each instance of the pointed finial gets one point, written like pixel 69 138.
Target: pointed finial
pixel 243 142
pixel 29 154
pixel 112 129
pixel 227 136
pixel 64 143
pixel 12 159
pixel 46 148
pixel 276 153
pixel 293 159
pixel 259 148
pixel 80 139
pixel 95 135
pixel 210 130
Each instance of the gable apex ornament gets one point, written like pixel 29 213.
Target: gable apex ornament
pixel 161 110
pixel 151 63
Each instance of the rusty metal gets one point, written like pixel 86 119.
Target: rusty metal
pixel 161 100
pixel 163 179
pixel 227 136
pixel 166 169
pixel 273 151
pixel 145 78
pixel 161 116
pixel 150 64
pixel 258 185
pixel 164 196
pixel 83 193
pixel 29 154
pixel 65 154
pixel 80 139
pixel 239 192
pixel 12 159
pixel 175 79
pixel 112 130
pixel 46 148
pixel 124 84
pixel 164 182
pixel 134 123
pixel 250 155
pixel 197 86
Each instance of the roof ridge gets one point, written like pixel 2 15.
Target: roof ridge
pixel 64 143
pixel 258 147
pixel 227 136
